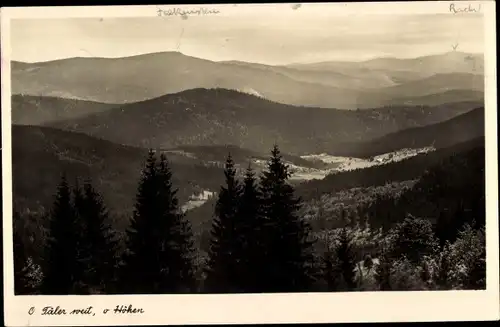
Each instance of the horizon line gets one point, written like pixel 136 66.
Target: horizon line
pixel 249 62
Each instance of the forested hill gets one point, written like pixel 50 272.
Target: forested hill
pixel 461 128
pixel 449 194
pixel 214 117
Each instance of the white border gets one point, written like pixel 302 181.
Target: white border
pixel 268 308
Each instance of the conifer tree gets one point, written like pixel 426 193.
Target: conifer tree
pixel 249 228
pixel 98 242
pixel 222 271
pixel 159 258
pixel 81 245
pixel 180 251
pixel 61 268
pixel 287 262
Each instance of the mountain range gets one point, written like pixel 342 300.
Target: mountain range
pixel 407 69
pixel 341 85
pixel 96 117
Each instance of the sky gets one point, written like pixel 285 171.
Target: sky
pixel 307 34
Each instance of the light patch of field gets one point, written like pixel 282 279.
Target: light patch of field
pixel 197 200
pixel 351 163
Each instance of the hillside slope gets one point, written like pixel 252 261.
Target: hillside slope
pixel 449 194
pixel 459 129
pixel 404 170
pixel 436 83
pixel 220 117
pixel 38 110
pixel 40 155
pixel 439 98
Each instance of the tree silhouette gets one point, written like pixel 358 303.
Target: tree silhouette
pixel 99 244
pixel 81 242
pixel 250 230
pixel 287 261
pixel 61 267
pixel 159 256
pixel 224 259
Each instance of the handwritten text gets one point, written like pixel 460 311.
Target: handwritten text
pixel 457 9
pixel 53 311
pixel 181 12
pixel 127 309
pixel 88 311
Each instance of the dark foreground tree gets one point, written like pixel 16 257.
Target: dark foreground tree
pixel 61 266
pixel 250 229
pixel 287 262
pixel 81 242
pixel 159 258
pixel 222 275
pixel 98 243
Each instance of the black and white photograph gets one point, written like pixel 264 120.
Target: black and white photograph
pixel 248 149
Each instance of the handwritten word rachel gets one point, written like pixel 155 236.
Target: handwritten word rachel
pixel 180 12
pixel 457 9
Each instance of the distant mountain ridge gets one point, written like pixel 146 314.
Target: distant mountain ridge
pixel 219 116
pixel 337 85
pixel 452 61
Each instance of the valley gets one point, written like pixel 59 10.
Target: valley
pixel 300 173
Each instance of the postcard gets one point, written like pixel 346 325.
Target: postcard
pixel 250 163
